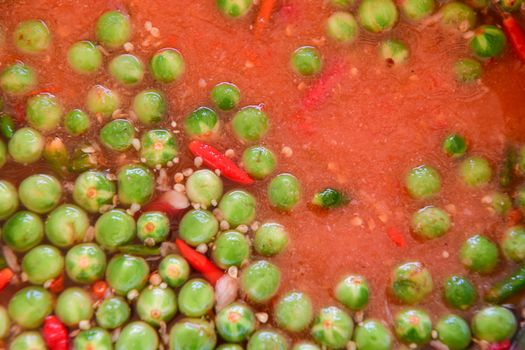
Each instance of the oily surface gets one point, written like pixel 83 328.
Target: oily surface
pixel 377 122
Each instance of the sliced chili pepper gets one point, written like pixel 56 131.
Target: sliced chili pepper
pixel 396 237
pixel 218 161
pixel 6 274
pixel 322 87
pixel 57 285
pixel 99 289
pixel 515 34
pixel 263 17
pixel 199 262
pixel 55 334
pixel 502 345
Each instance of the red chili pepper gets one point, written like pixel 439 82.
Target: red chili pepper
pixel 6 274
pixel 199 262
pixel 50 89
pixel 99 289
pixel 396 237
pixel 515 34
pixel 218 161
pixel 161 206
pixel 503 345
pixel 322 87
pixel 55 334
pixel 514 217
pixel 57 285
pixel 263 17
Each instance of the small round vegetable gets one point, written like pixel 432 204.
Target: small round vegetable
pixel 377 16
pixel 305 346
pixel 260 281
pixel 66 225
pixel 202 123
pixel 26 146
pixel 43 112
pixel 94 338
pixel 454 332
pixel 174 270
pixel 84 57
pixel 475 171
pixel 76 122
pixel 293 312
pixel 488 41
pixel 114 228
pixel 102 101
pixel 306 61
pixel 127 69
pixel 231 248
pixel 40 193
pixel 8 199
pixel 417 10
pixel 494 324
pixel 198 226
pixel 42 263
pixel 342 4
pixel 259 161
pixel 479 254
pixel 154 226
pixel 467 70
pixel 204 187
pixel 113 313
pixel 413 326
pixel 150 106
pixel 342 27
pixel 353 291
pixel 423 182
pixel 117 135
pixel 85 263
pixel 28 340
pixel 196 298
pixel 17 79
pixel 5 323
pixel 373 335
pixel 332 328
pixel 513 243
pixel 267 339
pixel 156 305
pixel 501 203
pixel 457 15
pixel 127 272
pixel 136 184
pixel 454 145
pixel 235 322
pixel 250 124
pixel 137 336
pixel 411 282
pixel 158 148
pixel 234 8
pixel 113 29
pixel 510 5
pixel 270 239
pixel 74 305
pixel 23 231
pixel 394 51
pixel 284 192
pixel 238 207
pixel 30 306
pixel 167 65
pixel 192 333
pixel 459 292
pixel 32 36
pixel 225 96
pixel 430 222
pixel 93 190
pixel 226 346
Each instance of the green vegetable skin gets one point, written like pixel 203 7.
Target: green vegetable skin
pixel 503 290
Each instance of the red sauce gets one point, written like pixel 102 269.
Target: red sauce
pixel 377 122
